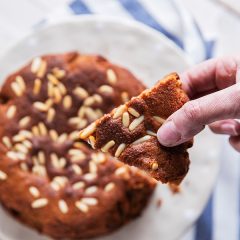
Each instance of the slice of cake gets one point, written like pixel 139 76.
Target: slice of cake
pixel 129 132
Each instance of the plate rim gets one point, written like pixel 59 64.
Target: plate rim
pixel 97 18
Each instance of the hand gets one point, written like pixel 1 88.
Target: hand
pixel 215 101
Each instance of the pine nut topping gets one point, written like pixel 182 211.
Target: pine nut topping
pixel 74 135
pixel 42 129
pixel 11 111
pixel 3 175
pixel 58 163
pixel 136 122
pixel 24 121
pixel 92 141
pixel 35 131
pixel 90 201
pixel 125 119
pixel 62 88
pixel 37 86
pixel 6 141
pixel 61 180
pixel 39 170
pixel 63 206
pixel 34 191
pixel 109 187
pixel 89 176
pixel 88 131
pixel 154 166
pixel 142 139
pixel 27 144
pixel 39 203
pixel 52 79
pixel 76 155
pixel 51 114
pixel 16 89
pixel 159 119
pixel 36 64
pixel 105 89
pixel 91 114
pixel 42 69
pixel 125 97
pixel 81 112
pixel 76 169
pixel 82 206
pixel 92 167
pixel 21 83
pixel 74 120
pixel 107 146
pixel 62 138
pixel 41 157
pixel 16 155
pixel 89 101
pixel 78 185
pixel 151 133
pixel 97 98
pixel 80 92
pixel 99 158
pixel 119 111
pixel 67 102
pixel 111 76
pixel 120 171
pixel 57 95
pixel 53 134
pixel 40 106
pixel 50 89
pixel 120 149
pixel 91 190
pixel 59 73
pixel 21 148
pixel 133 112
pixel 24 166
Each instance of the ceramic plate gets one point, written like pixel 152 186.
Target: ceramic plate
pixel 149 55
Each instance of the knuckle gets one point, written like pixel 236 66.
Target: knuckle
pixel 192 111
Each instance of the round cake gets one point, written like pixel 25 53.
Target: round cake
pixel 48 179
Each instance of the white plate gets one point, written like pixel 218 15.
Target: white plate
pixel 149 55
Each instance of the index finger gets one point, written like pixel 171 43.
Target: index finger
pixel 210 76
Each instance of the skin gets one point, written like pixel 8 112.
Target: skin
pixel 214 91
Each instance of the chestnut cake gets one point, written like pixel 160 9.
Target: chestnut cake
pixel 129 132
pixel 50 180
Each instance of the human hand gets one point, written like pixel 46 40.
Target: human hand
pixel 214 91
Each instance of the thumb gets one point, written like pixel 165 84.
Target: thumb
pixel 189 120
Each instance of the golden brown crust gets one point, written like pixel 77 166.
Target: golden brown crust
pixel 129 132
pixel 48 179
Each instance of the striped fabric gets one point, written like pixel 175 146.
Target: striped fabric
pixel 220 219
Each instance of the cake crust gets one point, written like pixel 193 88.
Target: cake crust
pixel 48 179
pixel 129 132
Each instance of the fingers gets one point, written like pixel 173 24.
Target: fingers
pixel 210 76
pixel 235 142
pixel 194 115
pixel 230 127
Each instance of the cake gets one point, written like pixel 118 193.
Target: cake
pixel 50 180
pixel 129 132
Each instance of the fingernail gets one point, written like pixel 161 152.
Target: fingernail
pixel 229 129
pixel 168 134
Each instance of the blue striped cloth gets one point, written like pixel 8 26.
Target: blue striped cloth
pixel 220 219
